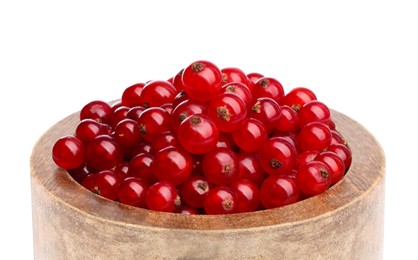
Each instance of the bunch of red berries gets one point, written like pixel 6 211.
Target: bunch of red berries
pixel 207 141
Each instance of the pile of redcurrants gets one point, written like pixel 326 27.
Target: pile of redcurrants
pixel 206 141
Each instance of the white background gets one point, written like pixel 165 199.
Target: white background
pixel 359 57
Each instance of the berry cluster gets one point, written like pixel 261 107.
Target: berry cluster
pixel 207 141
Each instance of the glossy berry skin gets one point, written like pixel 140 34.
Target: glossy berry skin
pixel 105 183
pixel 288 120
pixel 307 156
pixel 127 133
pixel 278 156
pixel 334 163
pixel 220 166
pixel 156 93
pixel 135 112
pixel 250 168
pixel 172 164
pixel 103 153
pixel 343 152
pixel 241 90
pixel 254 76
pixel 248 195
pixel 162 141
pixel 185 109
pixel 235 75
pixel 227 111
pixel 88 129
pixel 177 82
pixel 202 80
pixel 314 136
pixel 314 111
pixel 221 200
pixel 198 134
pixel 68 152
pixel 194 191
pixel 131 96
pixel 118 115
pixel 251 135
pixel 152 122
pixel 267 111
pixel 162 196
pixel 97 110
pixel 268 87
pixel 133 191
pixel 277 191
pixel 140 167
pixel 298 97
pixel 122 170
pixel 313 178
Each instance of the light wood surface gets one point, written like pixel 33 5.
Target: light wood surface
pixel 346 222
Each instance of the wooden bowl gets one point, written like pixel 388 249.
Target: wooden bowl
pixel 346 222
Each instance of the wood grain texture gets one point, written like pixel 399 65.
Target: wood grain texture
pixel 346 222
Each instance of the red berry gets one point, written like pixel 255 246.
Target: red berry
pixel 177 82
pixel 221 200
pixel 162 141
pixel 313 177
pixel 220 166
pixel 334 163
pixel 250 168
pixel 314 136
pixel 267 111
pixel 314 111
pixel 173 165
pixel 97 110
pixel 343 152
pixel 88 129
pixel 194 191
pixel 278 156
pixel 307 156
pixel 251 136
pixel 133 191
pixel 268 87
pixel 156 93
pixel 135 112
pixel 118 115
pixel 122 170
pixel 198 134
pixel 185 109
pixel 127 133
pixel 254 76
pixel 202 80
pixel 337 138
pixel 131 96
pixel 235 75
pixel 298 97
pixel 277 191
pixel 241 91
pixel 227 111
pixel 68 152
pixel 105 183
pixel 140 167
pixel 152 122
pixel 162 196
pixel 248 195
pixel 103 153
pixel 288 120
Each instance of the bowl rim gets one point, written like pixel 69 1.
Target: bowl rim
pixel 366 171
